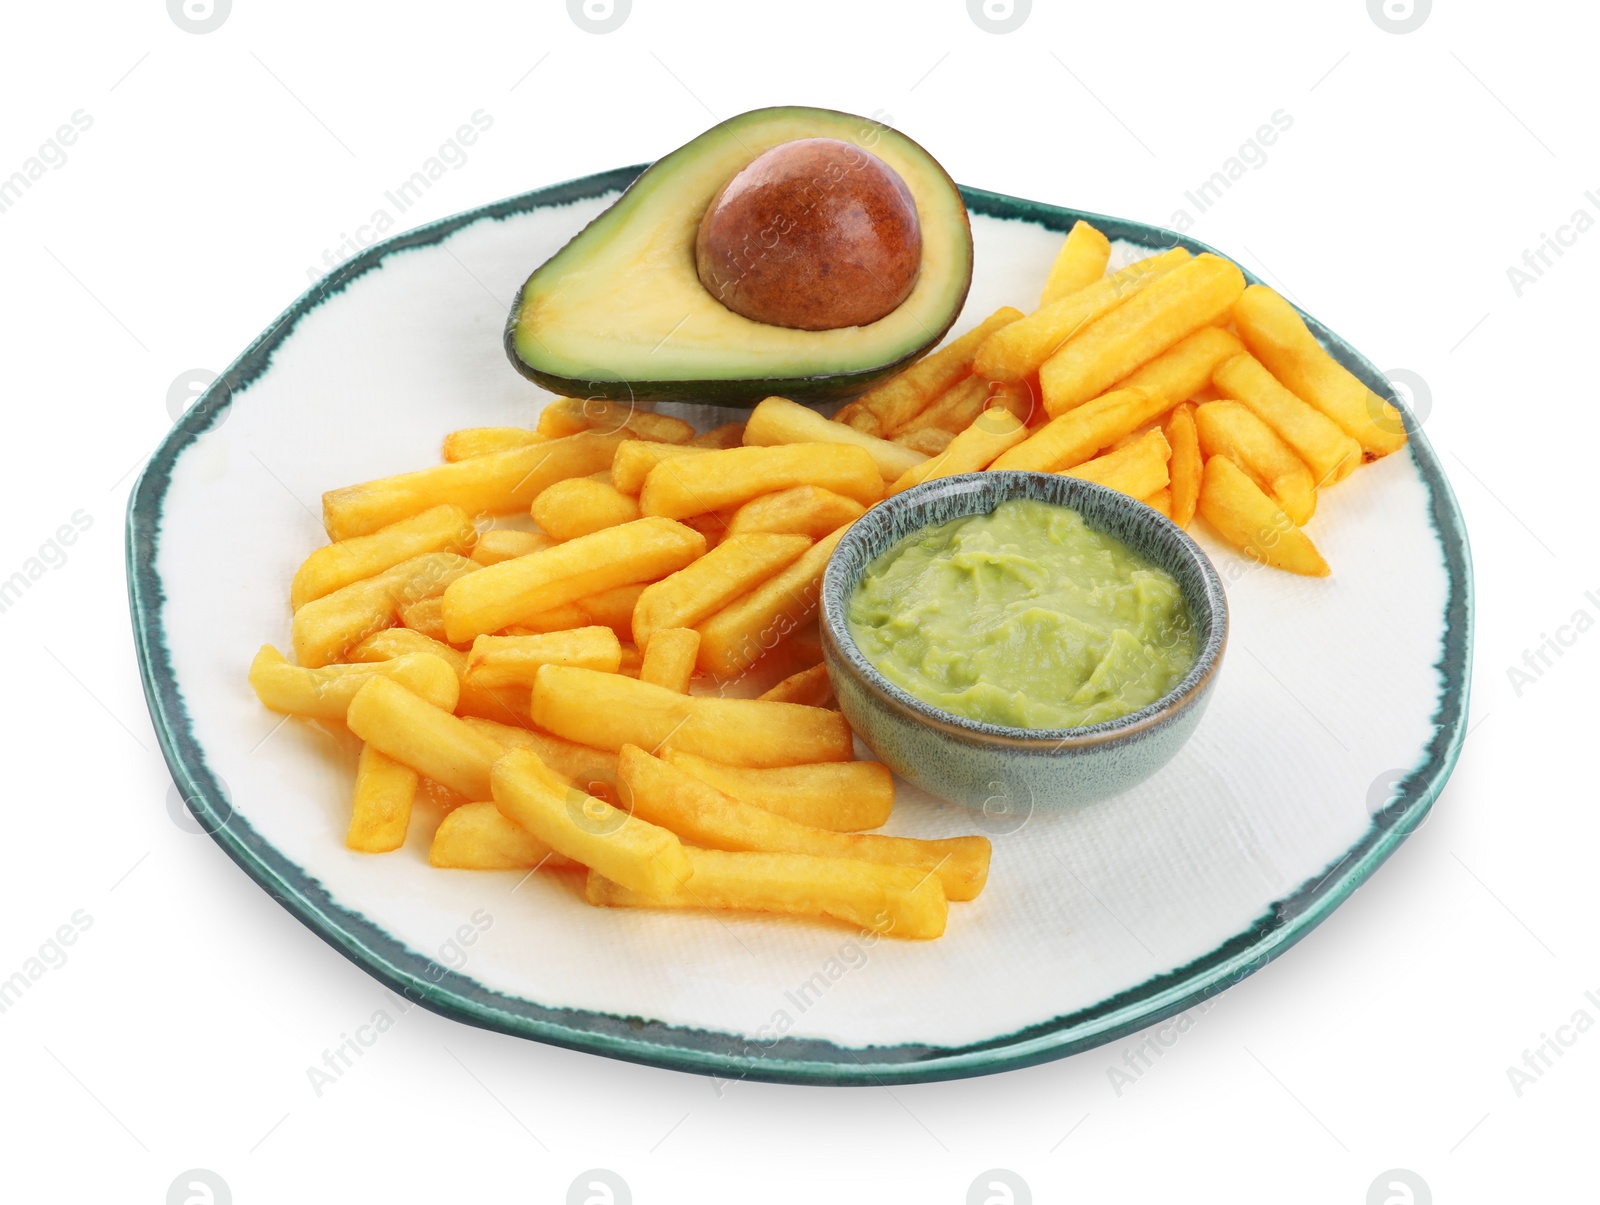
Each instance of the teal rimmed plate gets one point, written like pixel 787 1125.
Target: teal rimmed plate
pixel 1334 729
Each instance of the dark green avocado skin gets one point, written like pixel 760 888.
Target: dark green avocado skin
pixel 732 392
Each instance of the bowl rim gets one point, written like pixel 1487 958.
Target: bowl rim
pixel 838 641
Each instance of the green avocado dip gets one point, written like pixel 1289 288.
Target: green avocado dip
pixel 1023 617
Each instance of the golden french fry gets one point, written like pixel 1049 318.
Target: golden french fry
pixel 325 693
pixel 380 810
pixel 551 619
pixel 594 770
pixel 1233 430
pixel 389 643
pixel 1022 348
pixel 1175 304
pixel 636 457
pixel 425 616
pixel 1248 519
pixel 1331 454
pixel 734 638
pixel 733 568
pixel 953 410
pixel 607 711
pixel 1080 262
pixel 1160 502
pixel 325 627
pixel 1078 434
pixel 991 434
pixel 1138 470
pixel 570 415
pixel 669 658
pixel 843 796
pixel 439 529
pixel 475 836
pixel 693 485
pixel 729 435
pixel 495 483
pixel 777 420
pixel 502 544
pixel 888 407
pixel 930 441
pixel 480 441
pixel 632 661
pixel 806 510
pixel 414 732
pixel 1184 369
pixel 625 848
pixel 613 608
pixel 1277 336
pixel 1186 466
pixel 811 686
pixel 503 594
pixel 514 660
pixel 892 900
pixel 665 794
pixel 581 506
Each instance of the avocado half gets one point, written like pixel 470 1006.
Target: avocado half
pixel 620 312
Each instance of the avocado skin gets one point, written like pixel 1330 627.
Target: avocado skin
pixel 744 391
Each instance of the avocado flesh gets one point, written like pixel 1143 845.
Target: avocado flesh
pixel 620 311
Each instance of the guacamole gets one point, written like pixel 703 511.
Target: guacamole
pixel 1023 617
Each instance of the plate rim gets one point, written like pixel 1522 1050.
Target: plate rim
pixel 422 980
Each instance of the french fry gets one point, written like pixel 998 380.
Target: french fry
pixel 1249 520
pixel 480 441
pixel 777 420
pixel 623 847
pixel 734 638
pixel 1078 434
pixel 884 410
pixel 667 795
pixel 475 836
pixel 503 594
pixel 414 732
pixel 693 485
pixel 632 661
pixel 953 410
pixel 992 433
pixel 892 900
pixel 669 658
pixel 806 510
pixel 325 627
pixel 1160 502
pixel 930 441
pixel 425 616
pixel 1022 348
pixel 1080 262
pixel 514 660
pixel 636 457
pixel 1138 470
pixel 593 770
pixel 1177 303
pixel 729 435
pixel 496 483
pixel 843 796
pixel 380 808
pixel 325 693
pixel 607 711
pixel 1232 430
pixel 1020 398
pixel 581 506
pixel 439 529
pixel 1331 454
pixel 1277 336
pixel 730 570
pixel 811 686
pixel 1186 466
pixel 570 415
pixel 614 608
pixel 502 544
pixel 1184 369
pixel 389 643
pixel 551 619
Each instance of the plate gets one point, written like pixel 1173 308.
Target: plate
pixel 1337 719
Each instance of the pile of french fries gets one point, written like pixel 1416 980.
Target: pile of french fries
pixel 1168 380
pixel 535 685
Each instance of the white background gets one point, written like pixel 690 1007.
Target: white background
pixel 219 167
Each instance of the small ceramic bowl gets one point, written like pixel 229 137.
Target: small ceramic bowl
pixel 1011 772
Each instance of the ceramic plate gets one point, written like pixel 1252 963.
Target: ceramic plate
pixel 1337 718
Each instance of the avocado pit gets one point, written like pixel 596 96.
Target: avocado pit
pixel 813 234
